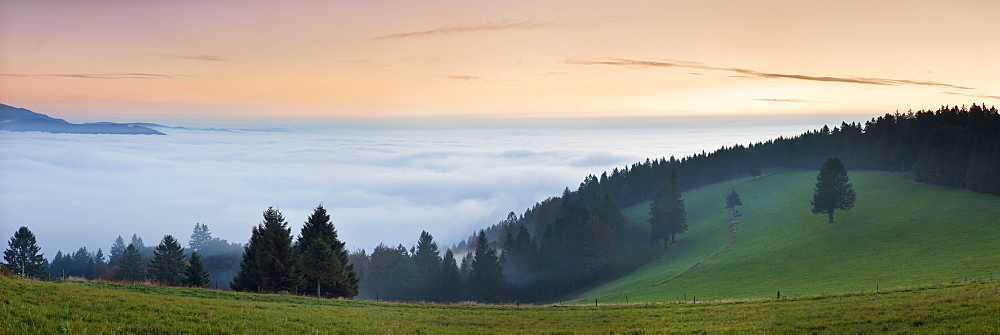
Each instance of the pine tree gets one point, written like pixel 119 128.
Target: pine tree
pixel 100 265
pixel 22 257
pixel 450 284
pixel 168 262
pixel 58 266
pixel 666 213
pixel 268 264
pixel 833 189
pixel 754 171
pixel 319 263
pixel 486 279
pixel 117 250
pixel 733 200
pixel 318 227
pixel 428 262
pixel 131 267
pixel 137 242
pixel 197 276
pixel 200 238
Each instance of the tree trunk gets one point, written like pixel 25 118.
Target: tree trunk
pixel 831 216
pixel 317 288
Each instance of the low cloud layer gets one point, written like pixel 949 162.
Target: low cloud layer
pixel 760 74
pixel 380 185
pixel 487 26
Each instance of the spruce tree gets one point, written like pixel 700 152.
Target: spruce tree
pixel 428 262
pixel 131 267
pixel 486 279
pixel 22 257
pixel 200 238
pixel 58 266
pixel 319 263
pixel 754 171
pixel 667 216
pixel 197 276
pixel 318 227
pixel 450 285
pixel 117 250
pixel 168 262
pixel 833 189
pixel 268 264
pixel 733 200
pixel 137 242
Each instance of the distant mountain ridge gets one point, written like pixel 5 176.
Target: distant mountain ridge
pixel 22 120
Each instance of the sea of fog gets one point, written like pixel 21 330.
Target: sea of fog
pixel 379 184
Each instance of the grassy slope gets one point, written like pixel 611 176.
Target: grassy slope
pixel 33 307
pixel 899 234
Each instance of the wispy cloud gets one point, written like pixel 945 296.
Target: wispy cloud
pixel 786 100
pixel 985 96
pixel 488 26
pixel 201 57
pixel 465 78
pixel 760 74
pixel 125 75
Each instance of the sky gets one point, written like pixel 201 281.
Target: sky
pixel 337 62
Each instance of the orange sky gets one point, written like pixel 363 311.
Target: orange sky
pixel 229 60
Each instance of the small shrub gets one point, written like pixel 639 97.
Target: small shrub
pixel 5 272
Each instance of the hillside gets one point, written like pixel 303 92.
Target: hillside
pixel 28 307
pixel 899 234
pixel 22 120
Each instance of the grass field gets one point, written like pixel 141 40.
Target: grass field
pixel 33 307
pixel 899 234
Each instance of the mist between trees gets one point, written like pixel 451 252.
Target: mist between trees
pixel 561 244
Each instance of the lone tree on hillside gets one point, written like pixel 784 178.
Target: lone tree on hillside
pixel 754 171
pixel 733 200
pixel 22 256
pixel 667 216
pixel 833 189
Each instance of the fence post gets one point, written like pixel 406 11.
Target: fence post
pixel 779 294
pixel 595 302
pixel 626 299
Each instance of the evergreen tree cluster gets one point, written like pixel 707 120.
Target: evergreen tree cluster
pixel 318 260
pixel 421 274
pixel 950 146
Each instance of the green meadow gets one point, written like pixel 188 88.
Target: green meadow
pixel 899 234
pixel 34 307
